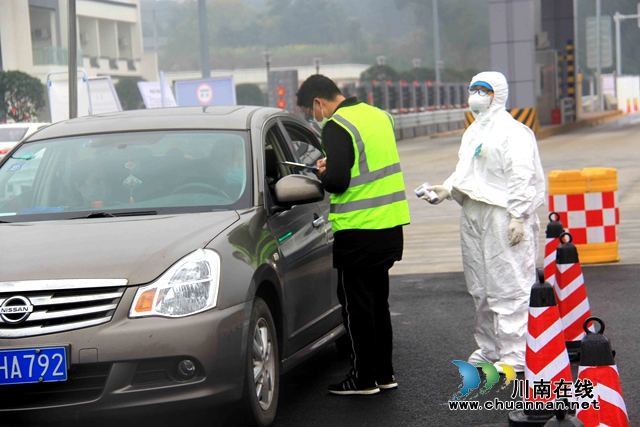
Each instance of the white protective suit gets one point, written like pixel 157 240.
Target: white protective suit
pixel 501 180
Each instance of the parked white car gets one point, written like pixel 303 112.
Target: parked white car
pixel 11 134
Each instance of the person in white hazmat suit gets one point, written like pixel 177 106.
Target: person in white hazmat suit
pixel 500 183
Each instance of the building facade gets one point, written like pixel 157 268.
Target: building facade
pixel 34 38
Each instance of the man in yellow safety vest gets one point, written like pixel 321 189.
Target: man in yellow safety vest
pixel 368 209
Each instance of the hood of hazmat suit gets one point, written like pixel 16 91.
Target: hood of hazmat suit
pixel 499 163
pixel 499 176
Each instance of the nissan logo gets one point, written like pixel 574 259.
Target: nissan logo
pixel 15 309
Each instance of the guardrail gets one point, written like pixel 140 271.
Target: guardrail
pixel 423 123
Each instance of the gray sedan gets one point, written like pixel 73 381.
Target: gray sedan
pixel 162 257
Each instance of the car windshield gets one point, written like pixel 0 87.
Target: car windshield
pixel 126 173
pixel 12 134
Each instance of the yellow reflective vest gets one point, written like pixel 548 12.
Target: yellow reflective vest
pixel 375 198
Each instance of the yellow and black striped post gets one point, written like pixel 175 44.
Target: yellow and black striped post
pixel 571 75
pixel 468 119
pixel 571 71
pixel 561 82
pixel 528 116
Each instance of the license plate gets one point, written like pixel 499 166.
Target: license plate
pixel 33 365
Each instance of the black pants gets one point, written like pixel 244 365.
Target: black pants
pixel 364 293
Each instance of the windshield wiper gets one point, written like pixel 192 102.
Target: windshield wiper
pixel 5 222
pixel 116 214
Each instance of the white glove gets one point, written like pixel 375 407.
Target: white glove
pixel 516 231
pixel 440 190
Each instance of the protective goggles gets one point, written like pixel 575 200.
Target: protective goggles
pixel 480 90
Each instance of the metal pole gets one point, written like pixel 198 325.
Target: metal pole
pixel 316 61
pixel 155 29
pixel 576 61
pixel 267 60
pixel 599 56
pixel 162 94
pixel 436 37
pixel 204 39
pixel 616 19
pixel 73 62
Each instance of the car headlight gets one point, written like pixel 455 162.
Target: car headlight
pixel 188 287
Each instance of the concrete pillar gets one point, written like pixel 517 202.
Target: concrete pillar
pixel 557 22
pixel 513 48
pixel 16 35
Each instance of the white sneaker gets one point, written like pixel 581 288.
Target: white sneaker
pixel 477 357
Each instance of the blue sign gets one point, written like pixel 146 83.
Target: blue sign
pixel 191 93
pixel 33 365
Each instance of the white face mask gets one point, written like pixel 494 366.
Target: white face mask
pixel 324 119
pixel 479 104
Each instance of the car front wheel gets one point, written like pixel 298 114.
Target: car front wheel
pixel 262 373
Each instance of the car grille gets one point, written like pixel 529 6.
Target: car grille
pixel 57 306
pixel 84 383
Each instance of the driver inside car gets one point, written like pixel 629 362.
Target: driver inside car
pixel 91 183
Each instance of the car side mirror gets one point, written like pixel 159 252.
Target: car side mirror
pixel 298 190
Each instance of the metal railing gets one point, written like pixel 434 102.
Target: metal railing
pixel 52 55
pixel 424 123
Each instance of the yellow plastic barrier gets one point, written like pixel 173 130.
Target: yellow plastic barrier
pixel 587 203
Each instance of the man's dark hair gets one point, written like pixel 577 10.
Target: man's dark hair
pixel 317 86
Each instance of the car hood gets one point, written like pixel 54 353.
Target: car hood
pixel 138 249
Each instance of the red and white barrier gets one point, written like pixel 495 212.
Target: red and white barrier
pixel 570 290
pixel 546 357
pixel 600 381
pixel 554 230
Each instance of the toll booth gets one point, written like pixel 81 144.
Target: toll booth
pixel 433 95
pixel 380 94
pixel 349 89
pixel 364 92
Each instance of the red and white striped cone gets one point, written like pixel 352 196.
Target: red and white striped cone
pixel 554 230
pixel 571 294
pixel 598 368
pixel 546 358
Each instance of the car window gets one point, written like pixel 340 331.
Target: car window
pixel 166 171
pixel 274 153
pixel 12 134
pixel 303 143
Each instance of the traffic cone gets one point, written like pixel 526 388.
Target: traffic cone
pixel 546 357
pixel 554 230
pixel 598 368
pixel 571 295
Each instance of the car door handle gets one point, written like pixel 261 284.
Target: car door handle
pixel 318 222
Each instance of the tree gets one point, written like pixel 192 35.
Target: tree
pixel 464 29
pixel 250 94
pixel 128 93
pixel 418 74
pixel 379 72
pixel 23 95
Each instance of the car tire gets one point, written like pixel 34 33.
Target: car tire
pixel 262 368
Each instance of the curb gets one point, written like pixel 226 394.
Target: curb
pixel 605 117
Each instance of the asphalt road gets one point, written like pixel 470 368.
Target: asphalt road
pixel 433 314
pixel 433 325
pixel 432 317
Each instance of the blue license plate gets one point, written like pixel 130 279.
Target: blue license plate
pixel 33 365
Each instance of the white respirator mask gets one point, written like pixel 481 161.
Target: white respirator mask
pixel 479 104
pixel 324 119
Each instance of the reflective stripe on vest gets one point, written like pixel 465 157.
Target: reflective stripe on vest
pixel 375 198
pixel 365 176
pixel 375 202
